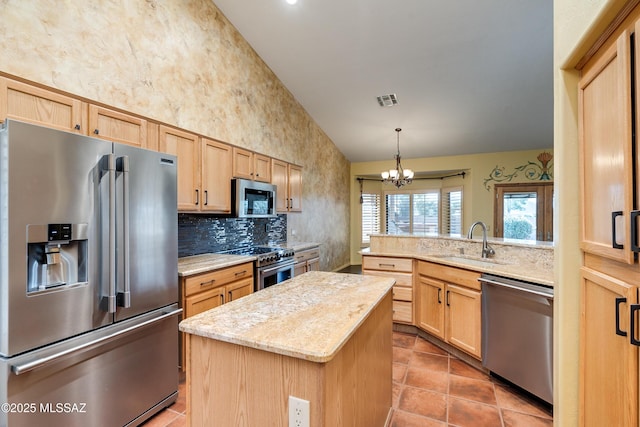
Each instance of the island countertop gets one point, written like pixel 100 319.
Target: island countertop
pixel 308 317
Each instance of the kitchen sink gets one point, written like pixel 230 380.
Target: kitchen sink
pixel 463 259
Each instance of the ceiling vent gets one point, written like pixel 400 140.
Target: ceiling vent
pixel 388 100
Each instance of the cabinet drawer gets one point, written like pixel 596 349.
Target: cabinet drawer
pixel 387 263
pixel 402 312
pixel 307 255
pixel 458 276
pixel 402 279
pixel 203 301
pixel 205 281
pixel 401 293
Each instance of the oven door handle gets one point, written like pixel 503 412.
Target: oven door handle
pixel 276 268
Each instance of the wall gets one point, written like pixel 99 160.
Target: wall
pixel 181 62
pixel 576 25
pixel 478 182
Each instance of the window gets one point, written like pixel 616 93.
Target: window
pixel 451 211
pixel 524 211
pixel 416 213
pixel 370 215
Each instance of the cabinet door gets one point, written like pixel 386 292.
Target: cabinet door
pixel 239 289
pixel 31 104
pixel 216 176
pixel 279 177
pixel 608 362
pixel 463 319
pixel 299 268
pixel 186 146
pixel 606 153
pixel 430 306
pixel 262 167
pixel 313 264
pixel 118 127
pixel 295 188
pixel 204 301
pixel 242 163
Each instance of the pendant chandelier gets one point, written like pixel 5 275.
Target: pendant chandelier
pixel 398 176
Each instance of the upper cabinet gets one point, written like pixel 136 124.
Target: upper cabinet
pixel 118 127
pixel 288 179
pixel 186 147
pixel 216 176
pixel 35 105
pixel 250 165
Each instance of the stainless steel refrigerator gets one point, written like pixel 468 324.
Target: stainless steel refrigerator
pixel 88 280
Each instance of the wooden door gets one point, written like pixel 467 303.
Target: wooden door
pixel 606 169
pixel 39 106
pixel 242 163
pixel 186 146
pixel 216 176
pixel 463 319
pixel 117 127
pixel 608 362
pixel 295 188
pixel 262 167
pixel 204 301
pixel 430 307
pixel 280 178
pixel 239 289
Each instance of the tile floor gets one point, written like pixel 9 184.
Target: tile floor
pixel 430 388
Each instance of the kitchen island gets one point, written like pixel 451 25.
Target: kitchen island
pixel 322 337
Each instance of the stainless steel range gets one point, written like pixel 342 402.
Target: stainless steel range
pixel 273 265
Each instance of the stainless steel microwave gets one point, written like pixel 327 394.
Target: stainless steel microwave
pixel 253 199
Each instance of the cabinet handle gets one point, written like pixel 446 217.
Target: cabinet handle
pixel 210 282
pixel 387 265
pixel 448 305
pixel 206 197
pixel 229 298
pixel 96 131
pixel 439 296
pixel 618 330
pixel 615 244
pixel 77 126
pixel 221 298
pixel 197 197
pixel 634 231
pixel 634 308
pixel 240 273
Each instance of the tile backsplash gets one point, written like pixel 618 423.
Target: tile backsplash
pixel 199 234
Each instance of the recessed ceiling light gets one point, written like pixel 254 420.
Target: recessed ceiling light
pixel 292 1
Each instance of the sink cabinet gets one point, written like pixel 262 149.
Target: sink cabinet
pixel 401 269
pixel 449 305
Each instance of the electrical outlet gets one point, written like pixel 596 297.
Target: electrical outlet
pixel 298 412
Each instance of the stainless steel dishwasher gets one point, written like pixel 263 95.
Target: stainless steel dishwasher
pixel 517 333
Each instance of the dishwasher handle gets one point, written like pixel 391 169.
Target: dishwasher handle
pixel 517 288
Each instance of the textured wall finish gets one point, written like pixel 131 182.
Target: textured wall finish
pixel 182 63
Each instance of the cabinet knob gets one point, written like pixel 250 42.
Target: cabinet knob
pixel 96 131
pixel 77 127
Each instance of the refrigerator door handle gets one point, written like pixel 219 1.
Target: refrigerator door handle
pixel 22 368
pixel 109 300
pixel 124 297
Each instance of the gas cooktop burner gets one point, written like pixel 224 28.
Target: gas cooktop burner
pixel 265 255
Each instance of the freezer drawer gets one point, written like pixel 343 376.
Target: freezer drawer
pixel 119 375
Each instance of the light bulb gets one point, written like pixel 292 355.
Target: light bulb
pixel 385 175
pixel 292 1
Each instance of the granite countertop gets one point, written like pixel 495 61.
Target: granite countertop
pixel 196 264
pixel 298 318
pixel 296 246
pixel 516 271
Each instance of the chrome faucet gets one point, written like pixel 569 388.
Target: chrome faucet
pixel 486 249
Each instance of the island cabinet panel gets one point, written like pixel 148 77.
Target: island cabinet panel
pixel 232 385
pixel 449 305
pixel 401 269
pixel 40 106
pixel 117 127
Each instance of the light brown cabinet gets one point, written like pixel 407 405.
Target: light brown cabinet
pixel 608 370
pixel 250 165
pixel 117 127
pixel 306 260
pixel 288 178
pixel 216 176
pixel 449 305
pixel 42 107
pixel 186 147
pixel 401 269
pixel 202 292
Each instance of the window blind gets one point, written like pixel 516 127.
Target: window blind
pixel 370 215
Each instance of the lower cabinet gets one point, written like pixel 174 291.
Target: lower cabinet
pixel 449 305
pixel 401 269
pixel 307 260
pixel 202 292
